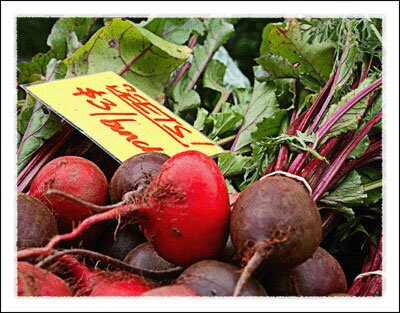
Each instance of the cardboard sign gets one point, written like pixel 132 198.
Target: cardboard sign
pixel 119 117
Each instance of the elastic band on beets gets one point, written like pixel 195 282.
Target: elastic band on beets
pixel 296 177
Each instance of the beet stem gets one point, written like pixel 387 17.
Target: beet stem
pixel 315 106
pixel 251 266
pixel 301 158
pixel 185 67
pixel 324 129
pixel 335 167
pixel 44 153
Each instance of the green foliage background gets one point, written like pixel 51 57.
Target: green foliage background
pixel 243 46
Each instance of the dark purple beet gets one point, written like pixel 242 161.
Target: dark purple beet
pixel 214 278
pixel 146 258
pixel 320 275
pixel 135 173
pixel 36 223
pixel 275 222
pixel 127 237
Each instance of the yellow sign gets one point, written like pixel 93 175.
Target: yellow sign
pixel 119 117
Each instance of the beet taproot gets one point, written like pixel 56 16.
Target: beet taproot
pixel 102 283
pixel 35 281
pixel 320 275
pixel 274 221
pixel 214 278
pixel 73 175
pixel 36 224
pixel 135 174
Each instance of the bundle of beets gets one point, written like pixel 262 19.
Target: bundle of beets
pixel 182 207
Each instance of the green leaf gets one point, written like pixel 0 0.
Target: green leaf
pixel 58 40
pixel 214 76
pixel 43 125
pixel 346 211
pixel 141 57
pixel 34 71
pixel 351 119
pixel 233 78
pixel 263 104
pixel 218 32
pixel 360 148
pixel 285 92
pixel 55 69
pixel 232 163
pixel 184 100
pixel 263 154
pixel 62 31
pixel 285 53
pixel 348 191
pixel 223 122
pixel 370 174
pixel 201 117
pixel 176 30
pixel 241 98
pixel 270 127
pixel 372 110
pixel 348 59
pixel 231 189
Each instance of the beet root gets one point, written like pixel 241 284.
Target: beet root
pixel 97 283
pixel 36 224
pixel 34 281
pixel 188 216
pixel 214 278
pixel 145 257
pixel 135 174
pixel 118 244
pixel 320 275
pixel 171 291
pixel 75 176
pixel 275 222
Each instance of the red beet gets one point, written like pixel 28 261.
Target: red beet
pixel 135 174
pixel 275 222
pixel 188 211
pixel 36 223
pixel 34 281
pixel 320 275
pixel 94 282
pixel 76 176
pixel 184 212
pixel 171 291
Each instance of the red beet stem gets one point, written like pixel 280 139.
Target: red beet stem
pixel 312 111
pixel 42 156
pixel 302 157
pixel 315 167
pixel 372 154
pixel 335 167
pixel 325 128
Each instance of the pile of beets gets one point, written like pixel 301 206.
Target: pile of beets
pixel 165 226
